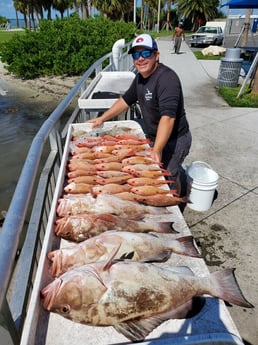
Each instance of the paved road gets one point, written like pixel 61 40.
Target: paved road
pixel 229 42
pixel 227 139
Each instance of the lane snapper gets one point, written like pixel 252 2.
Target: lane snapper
pixel 162 200
pixel 150 190
pixel 84 179
pixel 78 188
pixel 78 228
pixel 133 246
pixel 111 188
pixel 142 181
pixel 104 294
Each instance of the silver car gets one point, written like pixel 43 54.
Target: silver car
pixel 207 35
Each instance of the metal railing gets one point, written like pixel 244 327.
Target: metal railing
pixel 23 230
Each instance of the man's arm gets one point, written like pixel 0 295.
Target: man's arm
pixel 117 108
pixel 164 131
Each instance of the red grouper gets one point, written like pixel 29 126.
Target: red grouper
pixel 104 294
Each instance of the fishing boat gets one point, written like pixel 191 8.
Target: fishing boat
pixel 27 235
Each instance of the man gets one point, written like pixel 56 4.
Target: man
pixel 178 37
pixel 158 90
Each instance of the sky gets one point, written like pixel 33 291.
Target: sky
pixel 7 10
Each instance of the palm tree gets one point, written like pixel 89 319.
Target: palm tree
pixel 198 9
pixel 113 9
pixel 62 6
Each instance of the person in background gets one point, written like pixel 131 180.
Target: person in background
pixel 158 90
pixel 178 37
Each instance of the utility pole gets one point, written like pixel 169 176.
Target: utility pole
pixel 247 24
pixel 134 11
pixel 158 16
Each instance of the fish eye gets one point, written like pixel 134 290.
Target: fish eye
pixel 66 309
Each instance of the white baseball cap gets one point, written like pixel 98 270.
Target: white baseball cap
pixel 145 41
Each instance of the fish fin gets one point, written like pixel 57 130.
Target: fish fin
pixel 185 270
pixel 109 217
pixel 127 256
pixel 110 260
pixel 185 246
pixel 228 289
pixel 138 329
pixel 167 227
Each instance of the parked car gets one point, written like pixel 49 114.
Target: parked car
pixel 207 35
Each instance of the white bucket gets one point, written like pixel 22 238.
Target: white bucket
pixel 202 183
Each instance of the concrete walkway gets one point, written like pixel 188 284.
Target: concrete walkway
pixel 227 139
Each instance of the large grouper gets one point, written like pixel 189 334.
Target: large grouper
pixel 134 246
pixel 135 297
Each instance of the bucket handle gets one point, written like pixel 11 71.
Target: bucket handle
pixel 203 163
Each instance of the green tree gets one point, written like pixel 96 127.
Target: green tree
pixel 198 9
pixel 62 6
pixel 114 9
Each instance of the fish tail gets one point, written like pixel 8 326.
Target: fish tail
pixel 165 172
pixel 228 289
pixel 185 246
pixel 166 227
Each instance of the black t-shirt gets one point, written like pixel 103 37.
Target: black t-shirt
pixel 158 95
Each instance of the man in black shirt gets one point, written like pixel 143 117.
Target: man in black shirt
pixel 158 90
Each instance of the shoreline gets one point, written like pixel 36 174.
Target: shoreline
pixel 39 89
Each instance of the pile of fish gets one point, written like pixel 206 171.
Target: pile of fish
pixel 107 275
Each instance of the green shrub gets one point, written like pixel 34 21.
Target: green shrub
pixel 66 46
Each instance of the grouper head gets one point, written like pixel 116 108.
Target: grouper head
pixel 68 297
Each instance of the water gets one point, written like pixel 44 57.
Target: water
pixel 13 23
pixel 19 122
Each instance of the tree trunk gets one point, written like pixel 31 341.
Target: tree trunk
pixel 255 83
pixel 168 16
pixel 247 23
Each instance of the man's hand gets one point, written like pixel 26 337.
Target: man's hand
pixel 96 122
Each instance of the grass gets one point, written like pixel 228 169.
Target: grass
pixel 247 99
pixel 199 55
pixel 7 35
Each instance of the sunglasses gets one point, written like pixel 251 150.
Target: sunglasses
pixel 145 54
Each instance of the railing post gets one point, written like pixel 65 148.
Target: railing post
pixel 8 331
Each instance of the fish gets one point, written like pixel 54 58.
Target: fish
pixel 139 147
pixel 113 179
pixel 103 148
pixel 109 166
pixel 130 136
pixel 104 294
pixel 149 190
pixel 107 203
pixel 81 172
pixel 74 150
pixel 129 196
pixel 143 181
pixel 84 179
pixel 111 188
pixel 162 200
pixel 124 152
pixel 78 188
pixel 140 166
pixel 112 173
pixel 135 141
pixel 79 164
pixel 147 247
pixel 78 228
pixel 138 160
